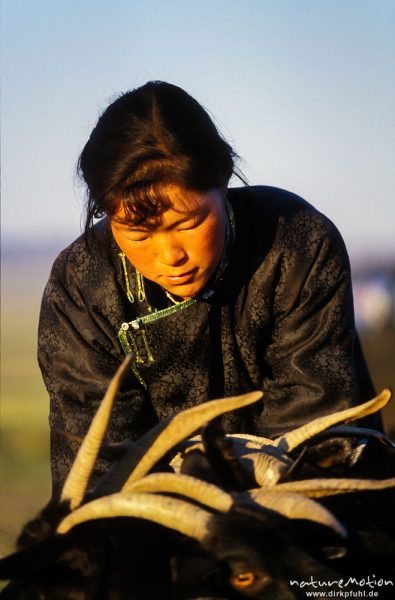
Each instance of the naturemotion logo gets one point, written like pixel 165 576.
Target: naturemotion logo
pixel 351 587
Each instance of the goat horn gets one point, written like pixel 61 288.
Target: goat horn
pixel 253 441
pixel 77 480
pixel 178 459
pixel 185 423
pixel 169 512
pixel 316 488
pixel 152 446
pixel 266 468
pixel 292 439
pixel 295 506
pixel 185 485
pixel 354 431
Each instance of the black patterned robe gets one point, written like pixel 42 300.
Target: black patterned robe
pixel 280 320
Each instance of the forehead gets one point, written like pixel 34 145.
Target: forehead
pixel 183 201
pixel 168 203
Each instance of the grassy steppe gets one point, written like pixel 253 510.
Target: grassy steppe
pixel 25 477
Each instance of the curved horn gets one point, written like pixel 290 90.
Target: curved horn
pixel 169 512
pixel 354 431
pixel 292 439
pixel 184 485
pixel 77 480
pixel 152 446
pixel 266 468
pixel 249 440
pixel 245 439
pixel 317 488
pixel 295 506
pixel 185 423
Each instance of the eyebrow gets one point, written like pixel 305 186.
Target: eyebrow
pixel 146 226
pixel 191 215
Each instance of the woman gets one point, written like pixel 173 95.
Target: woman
pixel 217 291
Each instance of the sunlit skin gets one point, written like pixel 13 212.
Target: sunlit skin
pixel 182 249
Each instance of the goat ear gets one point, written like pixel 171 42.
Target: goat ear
pixel 32 560
pixel 57 558
pixel 224 463
pixel 196 464
pixel 335 454
pixel 345 447
pixel 44 525
pixel 321 542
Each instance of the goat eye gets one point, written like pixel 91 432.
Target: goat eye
pixel 243 580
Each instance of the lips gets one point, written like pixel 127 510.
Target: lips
pixel 182 278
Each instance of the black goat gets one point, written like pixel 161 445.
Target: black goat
pixel 246 553
pixel 127 540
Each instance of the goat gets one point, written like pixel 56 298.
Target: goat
pixel 83 547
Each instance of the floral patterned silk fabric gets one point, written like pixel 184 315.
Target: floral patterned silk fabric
pixel 280 320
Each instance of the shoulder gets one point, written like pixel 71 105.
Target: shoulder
pixel 291 221
pixel 263 201
pixel 79 253
pixel 80 269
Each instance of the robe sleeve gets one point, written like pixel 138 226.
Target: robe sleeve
pixel 78 353
pixel 315 362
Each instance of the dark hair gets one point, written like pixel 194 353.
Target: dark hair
pixel 156 134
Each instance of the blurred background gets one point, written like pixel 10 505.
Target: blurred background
pixel 303 89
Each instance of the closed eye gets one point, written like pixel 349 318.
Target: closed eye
pixel 139 239
pixel 187 228
pixel 198 220
pixel 138 236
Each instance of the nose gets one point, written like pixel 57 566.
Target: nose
pixel 171 252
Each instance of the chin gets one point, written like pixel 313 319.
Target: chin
pixel 191 288
pixel 186 291
pixel 184 294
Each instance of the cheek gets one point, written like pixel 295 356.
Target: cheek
pixel 211 241
pixel 142 259
pixel 201 247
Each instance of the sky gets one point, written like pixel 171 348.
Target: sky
pixel 303 89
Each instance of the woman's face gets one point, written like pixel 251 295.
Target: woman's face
pixel 182 248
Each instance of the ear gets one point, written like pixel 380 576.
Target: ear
pixel 33 560
pixel 224 463
pixel 62 559
pixel 43 526
pixel 336 455
pixel 319 541
pixel 196 464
